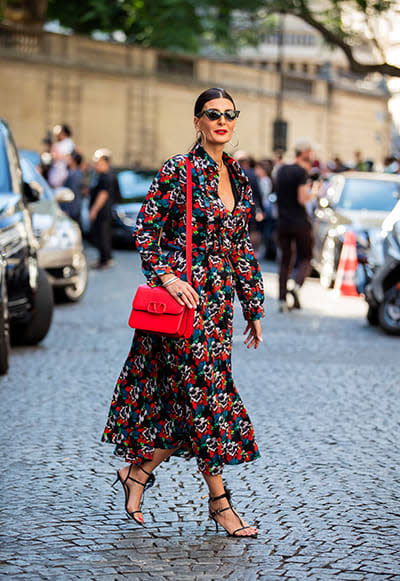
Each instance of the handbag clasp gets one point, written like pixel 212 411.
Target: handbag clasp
pixel 156 308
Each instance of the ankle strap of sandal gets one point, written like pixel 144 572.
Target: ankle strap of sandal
pixel 143 470
pixel 227 495
pixel 129 477
pixel 212 498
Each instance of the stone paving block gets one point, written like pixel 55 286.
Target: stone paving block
pixel 346 576
pixel 117 577
pixel 272 577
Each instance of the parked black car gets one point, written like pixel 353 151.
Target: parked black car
pixel 133 187
pixel 25 293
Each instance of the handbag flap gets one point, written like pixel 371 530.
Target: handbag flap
pixel 156 301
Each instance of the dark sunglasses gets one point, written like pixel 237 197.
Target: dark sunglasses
pixel 214 114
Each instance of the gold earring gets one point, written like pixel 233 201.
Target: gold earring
pixel 237 142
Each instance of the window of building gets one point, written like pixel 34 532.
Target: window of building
pixel 291 39
pixel 298 85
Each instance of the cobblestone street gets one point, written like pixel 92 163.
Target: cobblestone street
pixel 323 394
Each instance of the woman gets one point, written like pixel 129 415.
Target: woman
pixel 263 171
pixel 177 396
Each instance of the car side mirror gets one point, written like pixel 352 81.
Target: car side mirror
pixel 64 195
pixel 32 191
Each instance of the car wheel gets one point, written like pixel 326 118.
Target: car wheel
pixel 328 263
pixel 4 334
pixel 75 292
pixel 389 311
pixel 37 328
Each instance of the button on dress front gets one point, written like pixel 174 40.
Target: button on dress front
pixel 179 393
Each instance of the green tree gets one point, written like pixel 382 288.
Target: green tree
pixel 226 25
pixel 87 16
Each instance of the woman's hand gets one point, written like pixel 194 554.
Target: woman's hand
pixel 253 331
pixel 182 292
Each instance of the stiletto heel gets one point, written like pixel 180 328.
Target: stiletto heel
pixel 148 484
pixel 214 513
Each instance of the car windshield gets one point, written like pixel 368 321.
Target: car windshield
pixel 31 174
pixel 374 195
pixel 133 186
pixel 31 155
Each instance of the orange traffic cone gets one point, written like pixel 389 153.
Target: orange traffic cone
pixel 347 267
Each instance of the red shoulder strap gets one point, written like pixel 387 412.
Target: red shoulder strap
pixel 188 220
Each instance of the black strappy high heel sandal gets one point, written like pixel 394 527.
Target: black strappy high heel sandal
pixel 148 484
pixel 214 513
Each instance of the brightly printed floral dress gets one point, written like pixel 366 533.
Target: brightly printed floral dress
pixel 179 393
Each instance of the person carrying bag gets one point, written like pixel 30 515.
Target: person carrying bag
pixel 176 394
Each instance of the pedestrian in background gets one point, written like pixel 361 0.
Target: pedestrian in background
pixel 263 171
pixel 294 225
pixel 74 182
pixel 100 206
pixel 60 151
pixel 177 396
pixel 256 224
pixel 359 163
pixel 277 164
pixel 45 156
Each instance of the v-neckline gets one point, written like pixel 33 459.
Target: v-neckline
pixel 234 193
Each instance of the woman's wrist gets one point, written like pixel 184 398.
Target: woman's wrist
pixel 169 281
pixel 166 276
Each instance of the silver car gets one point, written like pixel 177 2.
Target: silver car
pixel 61 251
pixel 356 201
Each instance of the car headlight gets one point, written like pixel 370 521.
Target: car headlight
pixel 63 236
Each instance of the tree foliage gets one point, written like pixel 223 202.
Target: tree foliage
pixel 226 25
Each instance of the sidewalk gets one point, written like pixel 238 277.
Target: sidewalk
pixel 322 392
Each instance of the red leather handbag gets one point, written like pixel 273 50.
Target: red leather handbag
pixel 154 310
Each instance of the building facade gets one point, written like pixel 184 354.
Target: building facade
pixel 139 102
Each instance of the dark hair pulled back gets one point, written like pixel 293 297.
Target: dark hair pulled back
pixel 208 95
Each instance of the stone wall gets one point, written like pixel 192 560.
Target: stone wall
pixel 139 102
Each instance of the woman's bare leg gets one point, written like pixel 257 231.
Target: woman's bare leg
pixel 136 490
pixel 227 519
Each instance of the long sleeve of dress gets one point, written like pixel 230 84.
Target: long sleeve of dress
pixel 247 274
pixel 152 217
